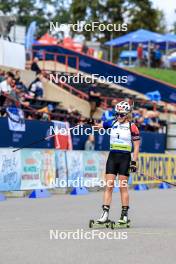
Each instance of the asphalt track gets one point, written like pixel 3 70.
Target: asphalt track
pixel 25 225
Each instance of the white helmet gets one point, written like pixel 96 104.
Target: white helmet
pixel 123 107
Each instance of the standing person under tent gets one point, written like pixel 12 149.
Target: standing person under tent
pixel 123 135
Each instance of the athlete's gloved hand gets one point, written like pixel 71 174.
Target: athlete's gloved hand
pixel 133 166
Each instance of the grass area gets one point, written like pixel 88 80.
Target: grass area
pixel 165 75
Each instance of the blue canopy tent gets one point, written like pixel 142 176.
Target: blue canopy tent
pixel 170 41
pixel 142 36
pixel 170 37
pixel 139 36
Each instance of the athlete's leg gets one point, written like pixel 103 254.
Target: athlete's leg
pixel 109 188
pixel 107 198
pixel 111 172
pixel 123 185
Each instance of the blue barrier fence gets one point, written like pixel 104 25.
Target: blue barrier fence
pixel 35 130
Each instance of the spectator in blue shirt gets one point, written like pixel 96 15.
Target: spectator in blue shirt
pixel 158 56
pixel 110 113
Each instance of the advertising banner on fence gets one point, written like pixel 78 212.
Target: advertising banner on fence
pixel 30 169
pixel 91 166
pixel 162 166
pixel 38 169
pixel 75 167
pixel 102 156
pixel 61 168
pixel 10 170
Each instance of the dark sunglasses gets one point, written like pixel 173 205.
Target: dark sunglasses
pixel 121 115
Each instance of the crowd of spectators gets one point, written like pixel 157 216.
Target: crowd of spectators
pixel 153 59
pixel 14 92
pixel 146 120
pixel 11 84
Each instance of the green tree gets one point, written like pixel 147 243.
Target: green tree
pixel 6 6
pixel 136 13
pixel 141 14
pixel 161 22
pixel 41 11
pixel 102 11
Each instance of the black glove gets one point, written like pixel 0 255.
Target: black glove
pixel 133 166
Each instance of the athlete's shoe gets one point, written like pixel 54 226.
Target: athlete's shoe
pixel 124 216
pixel 105 215
pixel 104 218
pixel 123 220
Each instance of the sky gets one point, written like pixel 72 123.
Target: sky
pixel 168 6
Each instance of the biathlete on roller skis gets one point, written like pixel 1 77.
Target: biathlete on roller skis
pixel 123 135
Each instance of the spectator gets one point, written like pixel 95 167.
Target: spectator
pixel 82 120
pixel 90 143
pixel 2 75
pixel 110 113
pixel 60 42
pixel 154 125
pixel 17 76
pixel 85 48
pixel 137 116
pixel 19 84
pixel 34 66
pixel 5 86
pixel 152 55
pixel 140 54
pixel 94 99
pixel 36 87
pixel 150 121
pixel 16 95
pixel 46 112
pixel 158 57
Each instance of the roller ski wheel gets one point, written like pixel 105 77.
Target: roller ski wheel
pixel 112 224
pixel 91 222
pixel 120 225
pixel 96 224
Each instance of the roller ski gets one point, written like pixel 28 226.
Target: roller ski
pixel 123 222
pixel 103 221
pixel 120 224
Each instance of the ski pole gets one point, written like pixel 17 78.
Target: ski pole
pixel 40 140
pixel 156 178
